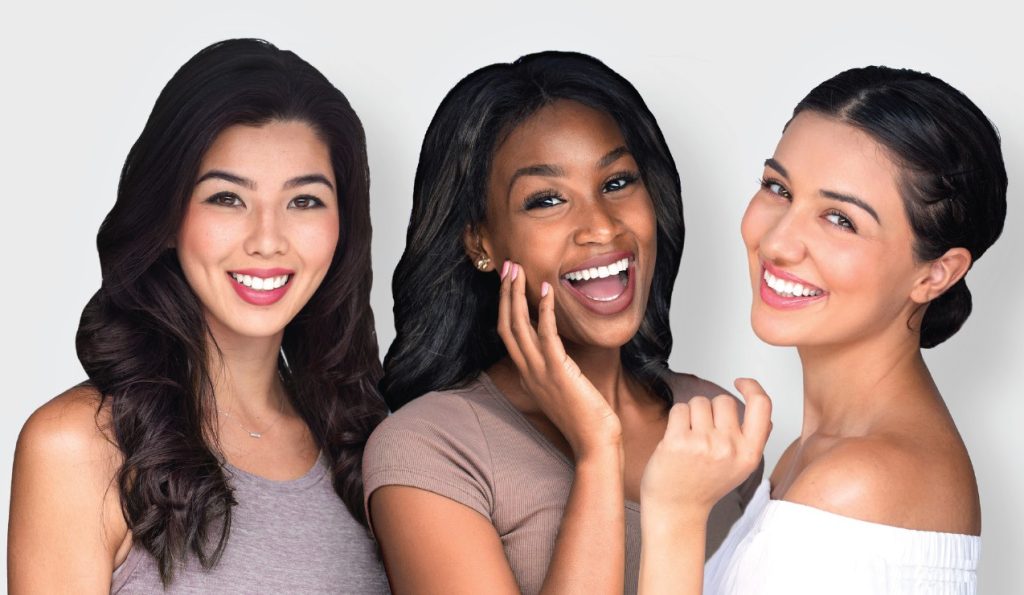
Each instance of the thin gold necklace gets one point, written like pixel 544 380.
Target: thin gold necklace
pixel 255 433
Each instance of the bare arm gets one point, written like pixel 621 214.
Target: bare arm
pixel 704 454
pixel 66 526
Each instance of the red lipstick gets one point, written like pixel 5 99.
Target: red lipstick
pixel 260 297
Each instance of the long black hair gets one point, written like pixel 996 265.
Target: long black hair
pixel 953 179
pixel 446 310
pixel 143 338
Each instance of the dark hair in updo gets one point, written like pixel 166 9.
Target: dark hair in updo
pixel 954 181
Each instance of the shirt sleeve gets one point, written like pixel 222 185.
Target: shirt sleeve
pixel 434 443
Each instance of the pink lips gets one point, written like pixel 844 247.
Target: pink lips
pixel 259 297
pixel 769 297
pixel 605 307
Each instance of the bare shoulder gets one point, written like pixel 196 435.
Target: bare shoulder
pixel 893 480
pixel 66 527
pixel 71 426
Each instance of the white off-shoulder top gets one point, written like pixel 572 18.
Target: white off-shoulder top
pixel 780 547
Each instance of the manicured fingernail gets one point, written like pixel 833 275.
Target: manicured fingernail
pixel 545 287
pixel 515 271
pixel 504 269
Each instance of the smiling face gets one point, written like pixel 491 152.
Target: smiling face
pixel 566 201
pixel 260 228
pixel 828 242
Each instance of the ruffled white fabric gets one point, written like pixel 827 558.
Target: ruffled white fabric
pixel 780 547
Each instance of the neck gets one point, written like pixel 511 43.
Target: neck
pixel 244 374
pixel 603 367
pixel 848 387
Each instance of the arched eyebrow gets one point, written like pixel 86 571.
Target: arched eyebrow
pixel 612 156
pixel 554 171
pixel 308 179
pixel 218 174
pixel 853 200
pixel 832 194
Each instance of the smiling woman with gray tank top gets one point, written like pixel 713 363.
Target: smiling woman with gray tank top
pixel 217 444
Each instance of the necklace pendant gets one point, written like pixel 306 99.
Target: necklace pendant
pixel 255 434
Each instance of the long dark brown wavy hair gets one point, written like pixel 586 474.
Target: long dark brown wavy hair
pixel 143 338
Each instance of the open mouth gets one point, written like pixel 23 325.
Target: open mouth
pixel 261 283
pixel 603 283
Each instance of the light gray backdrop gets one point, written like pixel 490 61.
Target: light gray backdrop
pixel 78 82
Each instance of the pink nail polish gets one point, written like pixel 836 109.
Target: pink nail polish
pixel 504 269
pixel 545 287
pixel 515 271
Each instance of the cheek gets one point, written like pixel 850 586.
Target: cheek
pixel 320 240
pixel 202 239
pixel 757 220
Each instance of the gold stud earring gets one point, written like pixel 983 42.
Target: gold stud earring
pixel 483 263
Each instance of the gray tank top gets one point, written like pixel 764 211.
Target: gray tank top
pixel 286 537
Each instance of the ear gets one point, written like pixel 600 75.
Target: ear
pixel 477 244
pixel 941 274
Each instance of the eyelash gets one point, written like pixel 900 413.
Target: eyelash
pixel 316 203
pixel 767 184
pixel 843 222
pixel 217 199
pixel 236 201
pixel 544 198
pixel 847 226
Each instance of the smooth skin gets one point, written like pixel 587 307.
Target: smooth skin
pixel 67 533
pixel 563 189
pixel 877 438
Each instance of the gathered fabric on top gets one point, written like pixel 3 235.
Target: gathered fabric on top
pixel 781 547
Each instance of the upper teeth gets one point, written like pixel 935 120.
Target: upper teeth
pixel 598 272
pixel 261 283
pixel 788 288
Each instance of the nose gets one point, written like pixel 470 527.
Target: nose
pixel 266 233
pixel 783 242
pixel 598 221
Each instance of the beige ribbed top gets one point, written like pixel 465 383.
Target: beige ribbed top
pixel 472 446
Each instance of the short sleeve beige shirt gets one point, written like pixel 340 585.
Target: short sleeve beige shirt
pixel 472 446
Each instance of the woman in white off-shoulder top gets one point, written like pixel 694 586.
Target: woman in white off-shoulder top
pixel 884 189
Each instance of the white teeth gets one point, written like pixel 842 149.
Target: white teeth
pixel 788 288
pixel 259 283
pixel 598 272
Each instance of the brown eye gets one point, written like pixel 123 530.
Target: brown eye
pixel 305 202
pixel 620 181
pixel 840 220
pixel 776 187
pixel 225 199
pixel 543 200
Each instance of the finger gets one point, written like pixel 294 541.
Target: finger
pixel 547 327
pixel 522 326
pixel 726 411
pixel 757 420
pixel 505 320
pixel 700 413
pixel 678 420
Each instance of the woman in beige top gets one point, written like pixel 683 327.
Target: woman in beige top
pixel 547 182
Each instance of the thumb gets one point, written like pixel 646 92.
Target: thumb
pixel 757 419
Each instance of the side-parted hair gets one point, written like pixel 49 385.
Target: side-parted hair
pixel 953 179
pixel 143 336
pixel 445 310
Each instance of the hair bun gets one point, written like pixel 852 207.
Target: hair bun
pixel 946 314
